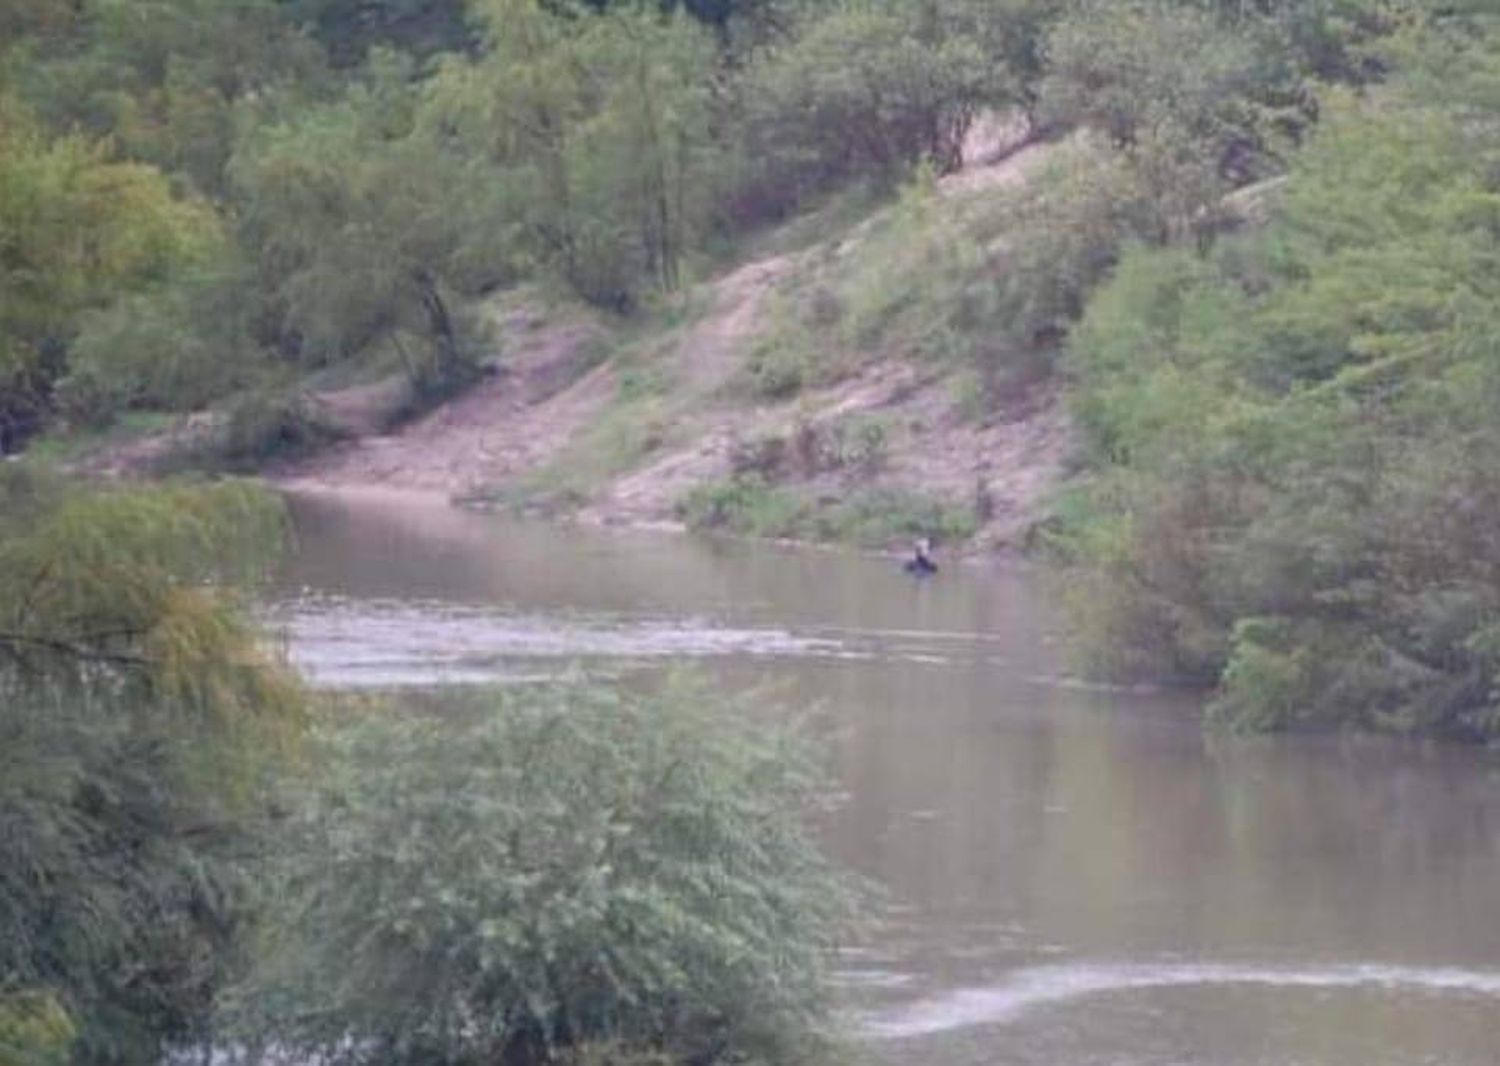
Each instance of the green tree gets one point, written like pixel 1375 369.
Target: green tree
pixel 601 127
pixel 863 89
pixel 364 228
pixel 76 232
pixel 176 346
pixel 169 80
pixel 1173 89
pixel 349 29
pixel 1319 553
pixel 139 716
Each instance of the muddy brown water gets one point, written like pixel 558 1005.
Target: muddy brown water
pixel 1074 874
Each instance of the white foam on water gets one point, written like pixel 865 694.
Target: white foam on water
pixel 353 643
pixel 1046 986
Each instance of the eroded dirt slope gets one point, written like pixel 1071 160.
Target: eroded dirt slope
pixel 565 374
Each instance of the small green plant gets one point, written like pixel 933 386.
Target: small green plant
pixel 778 370
pixel 879 517
pixel 875 517
pixel 746 504
pixel 968 397
pixel 640 383
pixel 860 442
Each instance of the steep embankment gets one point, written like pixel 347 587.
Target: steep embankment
pixel 619 424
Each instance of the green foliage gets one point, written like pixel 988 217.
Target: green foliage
pixel 129 580
pixel 858 442
pixel 993 278
pixel 34 1030
pixel 177 346
pixel 777 370
pixel 746 503
pixel 349 29
pixel 1129 68
pixel 265 425
pixel 80 231
pixel 880 517
pixel 1175 89
pixel 1318 551
pixel 877 517
pixel 139 715
pixel 861 88
pixel 600 126
pixel 546 869
pixel 169 80
pixel 365 226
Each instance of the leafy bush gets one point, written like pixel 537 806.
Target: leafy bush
pixel 745 503
pixel 858 442
pixel 267 424
pixel 878 517
pixel 177 347
pixel 870 517
pixel 1320 551
pixel 551 868
pixel 777 371
pixel 863 87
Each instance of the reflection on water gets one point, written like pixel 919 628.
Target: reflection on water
pixel 1076 874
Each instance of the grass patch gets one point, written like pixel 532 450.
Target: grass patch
pixel 615 443
pixel 62 444
pixel 748 504
pixel 820 223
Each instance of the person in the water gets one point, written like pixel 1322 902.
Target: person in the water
pixel 921 562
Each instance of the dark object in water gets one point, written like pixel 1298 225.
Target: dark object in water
pixel 920 563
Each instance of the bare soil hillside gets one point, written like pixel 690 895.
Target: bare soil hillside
pixel 620 423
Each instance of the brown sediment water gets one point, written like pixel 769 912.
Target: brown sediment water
pixel 1075 873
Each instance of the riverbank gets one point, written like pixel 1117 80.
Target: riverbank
pixel 719 409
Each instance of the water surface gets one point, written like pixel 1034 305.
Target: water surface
pixel 1075 874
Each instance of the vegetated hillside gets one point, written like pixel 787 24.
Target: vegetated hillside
pixel 749 404
pixel 1294 493
pixel 489 241
pixel 337 196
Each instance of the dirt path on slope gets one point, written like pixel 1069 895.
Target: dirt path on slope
pixel 549 384
pixel 553 391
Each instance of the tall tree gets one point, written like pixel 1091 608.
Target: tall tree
pixel 138 715
pixel 76 232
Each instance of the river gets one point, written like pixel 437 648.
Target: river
pixel 1073 874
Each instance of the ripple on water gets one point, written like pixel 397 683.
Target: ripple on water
pixel 361 643
pixel 1046 986
pixel 353 643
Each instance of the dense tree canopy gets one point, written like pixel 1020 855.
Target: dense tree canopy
pixel 1323 547
pixel 79 231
